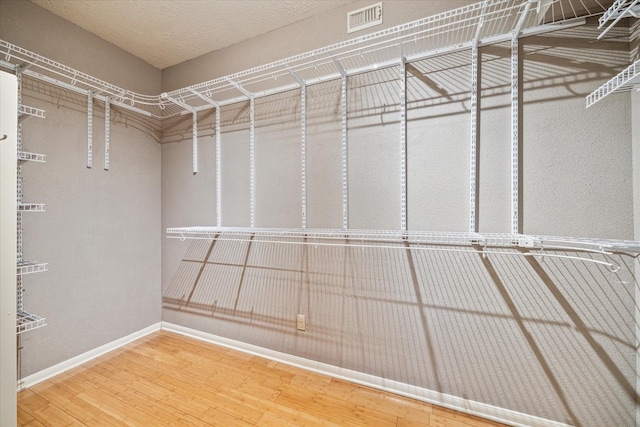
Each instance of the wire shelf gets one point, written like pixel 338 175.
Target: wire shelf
pixel 485 22
pixel 30 207
pixel 382 237
pixel 31 157
pixel 28 322
pixel 620 9
pixel 27 267
pixel 624 81
pixel 31 112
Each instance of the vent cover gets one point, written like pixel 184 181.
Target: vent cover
pixel 364 18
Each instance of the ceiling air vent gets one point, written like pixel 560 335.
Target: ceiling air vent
pixel 364 18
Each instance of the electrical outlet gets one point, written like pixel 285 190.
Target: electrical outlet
pixel 301 322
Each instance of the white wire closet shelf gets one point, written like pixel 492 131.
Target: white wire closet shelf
pixel 30 112
pixel 313 236
pixel 620 9
pixel 626 80
pixel 26 267
pixel 31 207
pixel 26 156
pixel 481 23
pixel 27 322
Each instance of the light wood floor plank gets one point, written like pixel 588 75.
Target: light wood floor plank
pixel 165 379
pixel 77 408
pixel 25 419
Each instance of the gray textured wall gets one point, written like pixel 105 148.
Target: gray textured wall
pixel 514 332
pixel 101 231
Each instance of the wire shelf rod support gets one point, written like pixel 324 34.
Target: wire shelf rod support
pixel 480 24
pixel 521 19
pixel 206 99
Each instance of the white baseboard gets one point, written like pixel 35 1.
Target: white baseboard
pixel 483 410
pixel 61 367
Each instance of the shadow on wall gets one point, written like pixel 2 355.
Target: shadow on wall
pixel 72 101
pixel 564 64
pixel 553 337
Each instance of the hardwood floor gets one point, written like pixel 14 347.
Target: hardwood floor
pixel 169 379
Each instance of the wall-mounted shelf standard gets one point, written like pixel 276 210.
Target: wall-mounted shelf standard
pixel 25 267
pixel 626 80
pixel 27 322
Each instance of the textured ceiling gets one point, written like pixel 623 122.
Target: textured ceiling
pixel 168 32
